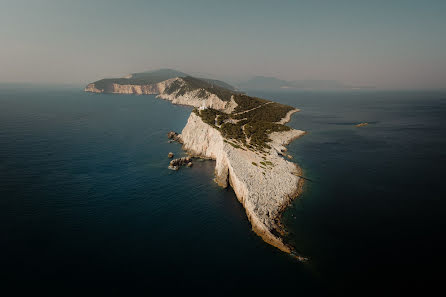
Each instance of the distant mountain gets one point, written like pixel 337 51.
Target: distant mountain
pixel 272 83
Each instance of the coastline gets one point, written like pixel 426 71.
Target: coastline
pixel 264 182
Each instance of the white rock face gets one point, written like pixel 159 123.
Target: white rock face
pixel 131 89
pixel 135 89
pixel 192 99
pixel 92 88
pixel 264 190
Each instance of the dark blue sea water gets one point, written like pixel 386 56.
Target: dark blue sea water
pixel 88 205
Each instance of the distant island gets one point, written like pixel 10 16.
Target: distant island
pixel 245 135
pixel 266 83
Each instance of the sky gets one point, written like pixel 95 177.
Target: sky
pixel 386 44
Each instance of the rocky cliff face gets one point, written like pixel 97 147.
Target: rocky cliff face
pixel 189 98
pixel 92 88
pixel 264 184
pixel 130 89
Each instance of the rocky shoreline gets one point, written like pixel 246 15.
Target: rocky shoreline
pixel 175 164
pixel 264 182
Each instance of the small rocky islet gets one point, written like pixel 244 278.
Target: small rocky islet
pixel 175 164
pixel 245 135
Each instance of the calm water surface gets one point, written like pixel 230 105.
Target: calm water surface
pixel 88 204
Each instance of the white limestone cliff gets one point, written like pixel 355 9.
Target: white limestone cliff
pixel 263 190
pixel 92 89
pixel 131 89
pixel 191 98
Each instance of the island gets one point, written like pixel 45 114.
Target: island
pixel 245 135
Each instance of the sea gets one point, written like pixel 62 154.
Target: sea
pixel 89 207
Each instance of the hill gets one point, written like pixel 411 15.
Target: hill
pixel 153 77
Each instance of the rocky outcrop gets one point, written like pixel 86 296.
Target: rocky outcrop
pixel 264 183
pixel 173 136
pixel 175 164
pixel 92 89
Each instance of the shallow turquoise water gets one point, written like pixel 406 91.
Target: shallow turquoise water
pixel 88 204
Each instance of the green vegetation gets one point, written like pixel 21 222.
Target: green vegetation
pixel 250 128
pixel 208 115
pixel 245 102
pixel 254 163
pixel 272 112
pixel 234 131
pixel 221 118
pixel 258 132
pixel 193 84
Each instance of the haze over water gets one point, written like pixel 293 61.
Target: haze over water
pixel 88 204
pixel 398 44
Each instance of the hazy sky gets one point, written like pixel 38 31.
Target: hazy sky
pixel 387 44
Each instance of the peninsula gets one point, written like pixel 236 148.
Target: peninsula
pixel 245 135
